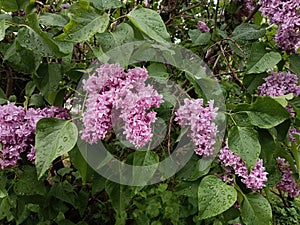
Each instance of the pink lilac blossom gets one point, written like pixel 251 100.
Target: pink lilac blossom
pixel 257 177
pixel 200 120
pixel 203 27
pixel 113 88
pixel 17 126
pixel 287 183
pixel 286 15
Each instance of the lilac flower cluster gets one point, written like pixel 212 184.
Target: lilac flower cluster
pixel 257 177
pixel 292 132
pixel 17 127
pixel 248 6
pixel 200 120
pixel 279 84
pixel 113 88
pixel 203 27
pixel 287 182
pixel 286 15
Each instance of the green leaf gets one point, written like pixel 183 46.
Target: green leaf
pixel 243 141
pixel 260 60
pixel 295 64
pixel 148 160
pixel 53 20
pixel 9 6
pixel 214 197
pixel 266 113
pixel 247 31
pixel 109 40
pixel 120 196
pixel 256 210
pixel 253 81
pixel 54 137
pixel 84 23
pixel 199 38
pixel 28 184
pixel 63 191
pixel 106 4
pixel 149 22
pixel 3 27
pixel 47 78
pixel 33 38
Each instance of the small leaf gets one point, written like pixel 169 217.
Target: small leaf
pixel 149 22
pixel 243 141
pixel 54 137
pixel 256 210
pixel 214 197
pixel 295 64
pixel 84 23
pixel 3 27
pixel 106 4
pixel 52 19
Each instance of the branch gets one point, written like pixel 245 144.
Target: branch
pixel 252 13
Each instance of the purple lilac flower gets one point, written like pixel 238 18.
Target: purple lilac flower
pixel 65 6
pixel 202 129
pixel 279 84
pixel 17 131
pixel 286 15
pixel 287 183
pixel 257 177
pixel 292 132
pixel 203 27
pixel 113 88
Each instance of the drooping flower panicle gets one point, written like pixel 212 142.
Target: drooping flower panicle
pixel 202 26
pixel 113 88
pixel 200 120
pixel 257 177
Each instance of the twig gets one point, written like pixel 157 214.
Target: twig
pixel 9 78
pixel 215 19
pixel 235 77
pixel 252 13
pixel 169 130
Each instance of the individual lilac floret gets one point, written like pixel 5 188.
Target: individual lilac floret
pixel 113 88
pixel 287 183
pixel 200 120
pixel 203 27
pixel 257 177
pixel 65 6
pixel 279 84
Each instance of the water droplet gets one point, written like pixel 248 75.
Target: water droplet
pixel 65 139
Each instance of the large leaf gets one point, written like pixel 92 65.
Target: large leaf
pixel 33 38
pixel 120 196
pixel 84 23
pixel 52 19
pixel 214 197
pixel 148 160
pixel 243 141
pixel 149 22
pixel 265 112
pixel 54 137
pixel 109 40
pixel 106 4
pixel 256 210
pixel 260 60
pixel 199 38
pixel 47 79
pixel 247 31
